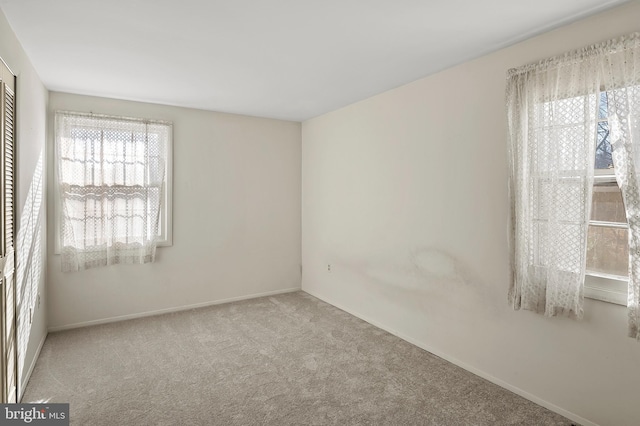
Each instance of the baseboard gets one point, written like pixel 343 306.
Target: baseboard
pixel 169 310
pixel 23 386
pixel 546 404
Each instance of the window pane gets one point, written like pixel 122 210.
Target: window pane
pixel 607 250
pixel 603 105
pixel 603 147
pixel 603 144
pixel 607 205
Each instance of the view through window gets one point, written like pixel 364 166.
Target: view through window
pixel 607 241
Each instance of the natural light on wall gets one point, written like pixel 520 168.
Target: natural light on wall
pixel 29 262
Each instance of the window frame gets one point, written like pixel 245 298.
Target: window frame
pixel 165 238
pixel 598 285
pixel 607 288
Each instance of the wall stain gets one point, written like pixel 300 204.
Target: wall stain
pixel 426 279
pixel 440 267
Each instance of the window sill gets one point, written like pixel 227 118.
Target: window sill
pixel 164 243
pixel 607 288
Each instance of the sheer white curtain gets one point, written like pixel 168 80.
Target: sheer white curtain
pixel 111 177
pixel 552 109
pixel 552 112
pixel 622 83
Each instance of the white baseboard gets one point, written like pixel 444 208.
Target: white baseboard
pixel 477 372
pixel 169 310
pixel 23 386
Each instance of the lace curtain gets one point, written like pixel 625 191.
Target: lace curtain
pixel 622 83
pixel 552 112
pixel 111 177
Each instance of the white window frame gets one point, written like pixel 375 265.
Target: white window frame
pixel 608 288
pixel 166 214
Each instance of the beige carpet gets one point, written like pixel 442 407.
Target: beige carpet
pixel 283 360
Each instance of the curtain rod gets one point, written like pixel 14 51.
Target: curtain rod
pixel 112 117
pixel 619 44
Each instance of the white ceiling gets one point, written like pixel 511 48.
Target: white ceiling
pixel 287 59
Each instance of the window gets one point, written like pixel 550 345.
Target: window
pixel 607 256
pixel 569 230
pixel 114 181
pixel 607 240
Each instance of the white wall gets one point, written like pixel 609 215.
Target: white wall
pixel 32 98
pixel 236 218
pixel 405 196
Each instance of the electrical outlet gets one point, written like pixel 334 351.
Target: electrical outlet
pixel 329 267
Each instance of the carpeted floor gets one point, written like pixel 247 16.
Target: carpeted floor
pixel 283 360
